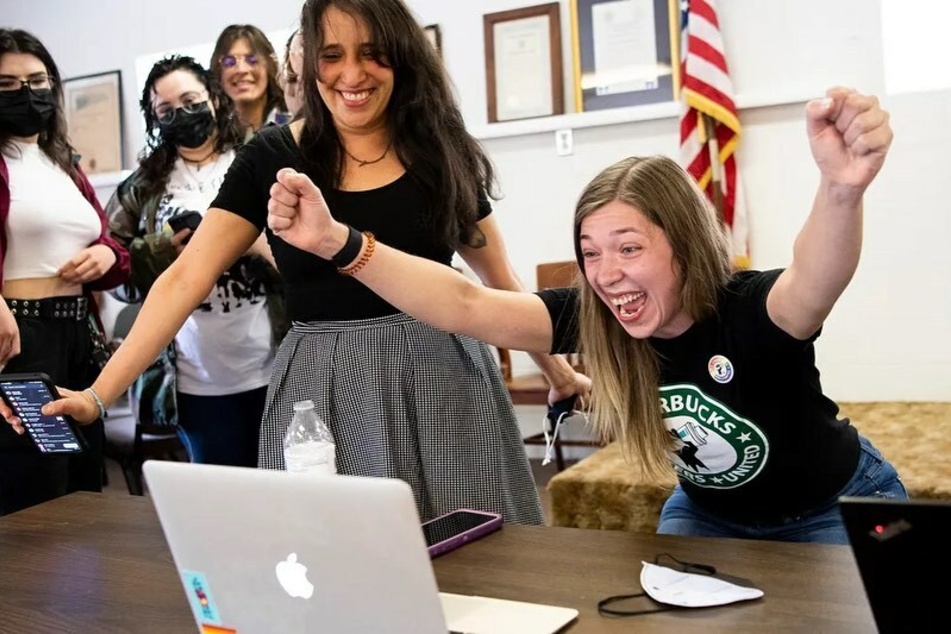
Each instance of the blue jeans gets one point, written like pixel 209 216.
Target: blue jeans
pixel 222 429
pixel 874 477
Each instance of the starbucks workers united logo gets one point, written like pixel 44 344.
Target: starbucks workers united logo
pixel 714 448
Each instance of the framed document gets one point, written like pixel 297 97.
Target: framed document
pixel 94 120
pixel 434 36
pixel 622 52
pixel 523 63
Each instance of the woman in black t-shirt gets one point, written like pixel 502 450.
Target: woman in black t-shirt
pixel 383 137
pixel 757 447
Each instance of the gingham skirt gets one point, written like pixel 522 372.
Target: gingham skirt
pixel 405 400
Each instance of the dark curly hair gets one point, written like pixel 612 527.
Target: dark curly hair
pixel 260 45
pixel 54 140
pixel 429 134
pixel 158 156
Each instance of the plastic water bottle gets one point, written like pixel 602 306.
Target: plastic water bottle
pixel 308 445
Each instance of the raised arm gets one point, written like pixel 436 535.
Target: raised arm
pixel 849 136
pixel 427 290
pixel 491 263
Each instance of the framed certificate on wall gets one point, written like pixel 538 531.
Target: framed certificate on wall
pixel 523 69
pixel 434 36
pixel 622 52
pixel 94 120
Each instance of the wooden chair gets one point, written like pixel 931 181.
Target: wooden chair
pixel 532 388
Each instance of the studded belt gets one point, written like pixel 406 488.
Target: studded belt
pixel 74 308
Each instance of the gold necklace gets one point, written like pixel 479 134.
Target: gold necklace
pixel 376 160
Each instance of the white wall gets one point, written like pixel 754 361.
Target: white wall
pixel 888 338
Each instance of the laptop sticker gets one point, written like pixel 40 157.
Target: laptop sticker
pixel 199 596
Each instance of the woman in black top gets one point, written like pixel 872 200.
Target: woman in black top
pixel 384 138
pixel 757 447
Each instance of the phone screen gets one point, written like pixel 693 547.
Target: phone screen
pixel 448 526
pixel 51 434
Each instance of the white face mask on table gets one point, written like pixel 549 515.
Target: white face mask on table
pixel 692 590
pixel 681 584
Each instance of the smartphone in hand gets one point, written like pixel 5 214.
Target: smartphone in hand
pixel 185 220
pixel 25 394
pixel 448 532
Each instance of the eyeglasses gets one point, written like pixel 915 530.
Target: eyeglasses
pixel 230 61
pixel 34 83
pixel 289 77
pixel 192 102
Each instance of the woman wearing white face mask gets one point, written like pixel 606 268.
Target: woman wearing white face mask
pixel 223 352
pixel 54 252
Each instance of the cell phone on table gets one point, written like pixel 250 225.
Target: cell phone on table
pixel 25 394
pixel 452 530
pixel 185 220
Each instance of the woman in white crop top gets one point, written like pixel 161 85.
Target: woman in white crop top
pixel 223 352
pixel 54 252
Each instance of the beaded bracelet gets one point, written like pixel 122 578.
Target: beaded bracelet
pixel 95 397
pixel 364 256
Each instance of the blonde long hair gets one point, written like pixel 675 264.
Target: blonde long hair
pixel 625 371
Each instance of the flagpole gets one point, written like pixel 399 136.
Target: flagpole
pixel 716 168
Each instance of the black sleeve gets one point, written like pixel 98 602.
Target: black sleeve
pixel 246 185
pixel 751 289
pixel 563 308
pixel 484 207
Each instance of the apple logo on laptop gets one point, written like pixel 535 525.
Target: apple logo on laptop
pixel 293 577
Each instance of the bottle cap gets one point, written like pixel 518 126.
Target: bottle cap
pixel 300 406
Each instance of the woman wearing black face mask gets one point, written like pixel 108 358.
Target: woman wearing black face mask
pixel 54 252
pixel 223 353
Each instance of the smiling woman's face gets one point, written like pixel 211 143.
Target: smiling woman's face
pixel 629 263
pixel 246 80
pixel 354 86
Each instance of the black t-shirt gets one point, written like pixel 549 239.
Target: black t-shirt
pixel 395 213
pixel 757 441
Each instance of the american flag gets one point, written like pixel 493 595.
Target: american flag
pixel 709 125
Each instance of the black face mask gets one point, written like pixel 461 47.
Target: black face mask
pixel 189 129
pixel 25 112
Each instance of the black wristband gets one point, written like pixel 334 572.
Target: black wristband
pixel 350 251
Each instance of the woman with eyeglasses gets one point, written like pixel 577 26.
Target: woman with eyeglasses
pixel 245 65
pixel 381 132
pixel 289 76
pixel 223 351
pixel 54 252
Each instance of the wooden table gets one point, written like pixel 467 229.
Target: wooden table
pixel 99 563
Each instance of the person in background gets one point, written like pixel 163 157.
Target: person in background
pixel 245 66
pixel 694 364
pixel 290 74
pixel 381 131
pixel 54 253
pixel 224 350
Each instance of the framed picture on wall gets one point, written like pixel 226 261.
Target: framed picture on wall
pixel 94 120
pixel 523 63
pixel 622 52
pixel 434 36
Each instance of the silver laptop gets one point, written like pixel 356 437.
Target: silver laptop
pixel 271 551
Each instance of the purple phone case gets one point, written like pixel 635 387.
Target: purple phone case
pixel 493 523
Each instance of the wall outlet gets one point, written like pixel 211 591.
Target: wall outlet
pixel 564 142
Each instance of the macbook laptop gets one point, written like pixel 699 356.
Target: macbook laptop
pixel 902 551
pixel 271 551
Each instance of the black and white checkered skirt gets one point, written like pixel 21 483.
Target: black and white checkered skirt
pixel 405 400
